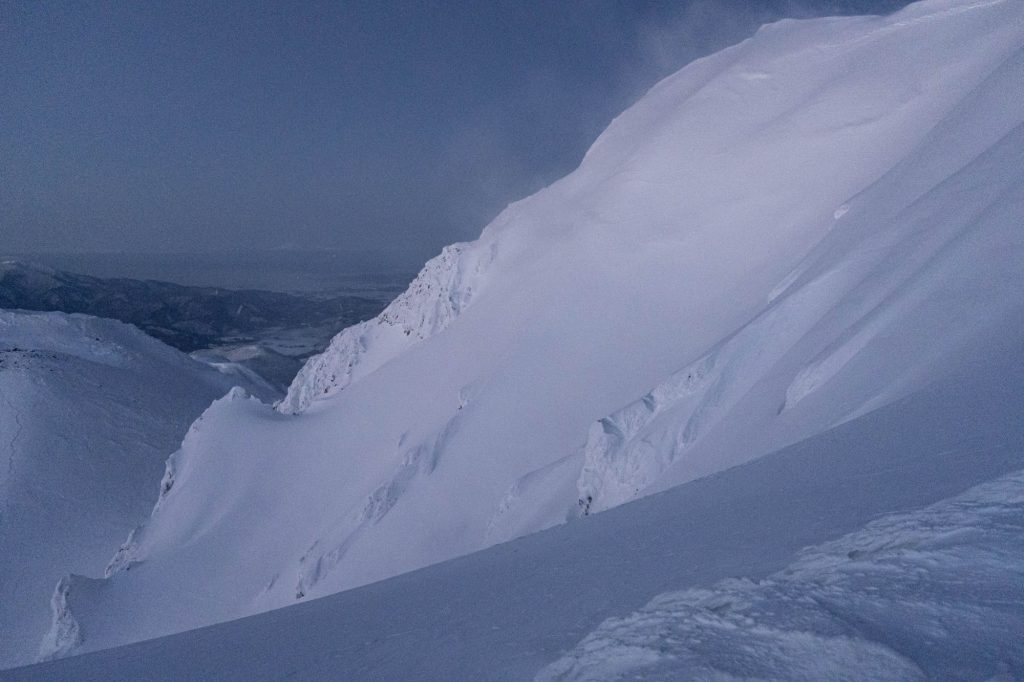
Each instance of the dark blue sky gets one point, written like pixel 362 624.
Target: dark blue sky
pixel 402 126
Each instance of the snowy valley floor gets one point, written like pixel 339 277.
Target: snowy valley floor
pixel 709 580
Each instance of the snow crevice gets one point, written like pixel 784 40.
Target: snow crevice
pixel 13 444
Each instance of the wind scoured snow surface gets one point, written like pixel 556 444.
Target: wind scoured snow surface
pixel 89 411
pixel 936 593
pixel 774 241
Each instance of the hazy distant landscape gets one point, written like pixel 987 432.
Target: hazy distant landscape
pixel 264 312
pixel 316 273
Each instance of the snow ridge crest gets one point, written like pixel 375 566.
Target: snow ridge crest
pixel 436 297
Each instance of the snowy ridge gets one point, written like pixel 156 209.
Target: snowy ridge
pixel 889 602
pixel 79 336
pixel 89 410
pixel 440 292
pixel 776 240
pixel 175 469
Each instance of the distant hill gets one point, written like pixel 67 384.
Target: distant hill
pixel 188 318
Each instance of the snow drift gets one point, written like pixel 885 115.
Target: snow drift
pixel 776 240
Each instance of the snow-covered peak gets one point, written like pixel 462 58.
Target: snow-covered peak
pixel 802 117
pixel 777 239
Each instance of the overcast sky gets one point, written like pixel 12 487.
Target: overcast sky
pixel 400 126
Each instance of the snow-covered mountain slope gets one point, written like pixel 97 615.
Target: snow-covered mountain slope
pixel 899 579
pixel 775 240
pixel 89 411
pixel 923 588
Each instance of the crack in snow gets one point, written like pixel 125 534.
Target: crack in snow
pixel 12 445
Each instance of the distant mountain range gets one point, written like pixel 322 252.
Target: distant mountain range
pixel 188 318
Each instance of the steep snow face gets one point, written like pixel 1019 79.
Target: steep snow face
pixel 773 241
pixel 89 410
pixel 436 297
pixel 848 331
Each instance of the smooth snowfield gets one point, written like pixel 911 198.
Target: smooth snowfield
pixel 89 411
pixel 913 593
pixel 776 240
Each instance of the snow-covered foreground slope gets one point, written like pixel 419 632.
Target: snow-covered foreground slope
pixel 89 410
pixel 776 240
pixel 930 594
pixel 914 593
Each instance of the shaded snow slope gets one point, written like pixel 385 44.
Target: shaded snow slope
pixel 89 410
pixel 929 594
pixel 774 241
pixel 508 612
